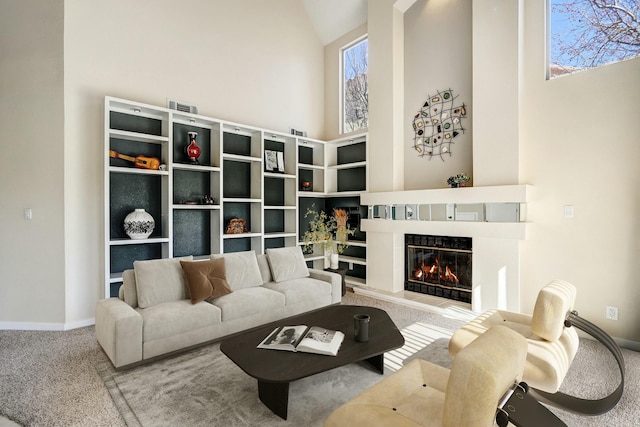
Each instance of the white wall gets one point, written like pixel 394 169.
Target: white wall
pixel 249 61
pixel 437 52
pixel 32 275
pixel 497 58
pixel 580 147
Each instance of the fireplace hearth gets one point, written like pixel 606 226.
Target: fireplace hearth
pixel 439 266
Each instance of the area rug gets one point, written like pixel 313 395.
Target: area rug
pixel 203 387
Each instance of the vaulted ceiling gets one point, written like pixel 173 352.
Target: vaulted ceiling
pixel 334 18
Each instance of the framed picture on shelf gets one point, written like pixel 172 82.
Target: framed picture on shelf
pixel 274 161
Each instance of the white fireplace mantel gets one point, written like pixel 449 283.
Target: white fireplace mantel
pixel 490 194
pixel 496 245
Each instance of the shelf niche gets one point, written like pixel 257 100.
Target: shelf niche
pixel 133 191
pixel 181 140
pixel 192 230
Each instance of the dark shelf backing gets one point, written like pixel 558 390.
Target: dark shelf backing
pixel 353 179
pixel 131 123
pixel 191 232
pixel 123 256
pixel 236 144
pixel 191 185
pixel 352 153
pixel 237 179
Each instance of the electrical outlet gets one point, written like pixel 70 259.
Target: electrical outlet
pixel 612 313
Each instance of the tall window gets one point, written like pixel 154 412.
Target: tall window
pixel 591 33
pixel 355 89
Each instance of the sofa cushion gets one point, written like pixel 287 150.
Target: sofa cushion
pixel 206 279
pixel 160 280
pixel 265 270
pixel 177 317
pixel 299 290
pixel 128 288
pixel 242 269
pixel 247 302
pixel 287 263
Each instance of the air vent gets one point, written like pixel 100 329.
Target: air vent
pixel 181 106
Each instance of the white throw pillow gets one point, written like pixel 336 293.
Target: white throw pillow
pixel 160 280
pixel 242 269
pixel 287 263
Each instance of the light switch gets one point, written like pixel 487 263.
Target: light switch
pixel 28 214
pixel 568 211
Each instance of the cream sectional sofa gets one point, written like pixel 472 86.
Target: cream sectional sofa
pixel 155 315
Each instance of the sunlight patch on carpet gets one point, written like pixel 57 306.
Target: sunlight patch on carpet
pixel 417 337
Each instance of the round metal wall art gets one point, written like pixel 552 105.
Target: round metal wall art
pixel 437 123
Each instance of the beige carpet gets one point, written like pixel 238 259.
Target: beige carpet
pixel 50 379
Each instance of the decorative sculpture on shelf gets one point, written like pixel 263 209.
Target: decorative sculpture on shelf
pixel 237 226
pixel 192 150
pixel 436 125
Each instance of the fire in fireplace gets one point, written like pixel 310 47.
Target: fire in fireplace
pixel 439 265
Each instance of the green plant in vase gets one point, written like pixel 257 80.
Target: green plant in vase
pixel 329 231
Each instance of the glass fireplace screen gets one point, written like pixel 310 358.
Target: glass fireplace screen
pixel 439 265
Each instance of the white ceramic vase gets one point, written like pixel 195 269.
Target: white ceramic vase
pixel 139 224
pixel 334 262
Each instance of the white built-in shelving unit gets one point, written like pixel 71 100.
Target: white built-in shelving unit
pixel 231 169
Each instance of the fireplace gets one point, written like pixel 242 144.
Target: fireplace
pixel 439 266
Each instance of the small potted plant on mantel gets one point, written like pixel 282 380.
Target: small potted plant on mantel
pixel 331 232
pixel 459 180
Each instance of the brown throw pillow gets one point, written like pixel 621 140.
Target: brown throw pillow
pixel 206 279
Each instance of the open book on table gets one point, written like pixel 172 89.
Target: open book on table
pixel 306 339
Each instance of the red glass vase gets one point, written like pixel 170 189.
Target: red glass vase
pixel 192 150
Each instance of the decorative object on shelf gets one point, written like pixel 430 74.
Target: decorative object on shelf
pixel 237 226
pixel 139 224
pixel 306 185
pixel 341 220
pixel 323 230
pixel 459 180
pixel 192 150
pixel 208 200
pixel 143 162
pixel 437 123
pixel 273 161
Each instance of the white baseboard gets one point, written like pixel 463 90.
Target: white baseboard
pixel 41 326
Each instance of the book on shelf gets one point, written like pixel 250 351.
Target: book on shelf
pixel 305 339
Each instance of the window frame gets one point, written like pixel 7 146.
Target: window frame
pixel 341 98
pixel 549 33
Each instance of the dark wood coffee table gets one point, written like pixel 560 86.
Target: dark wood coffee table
pixel 275 369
